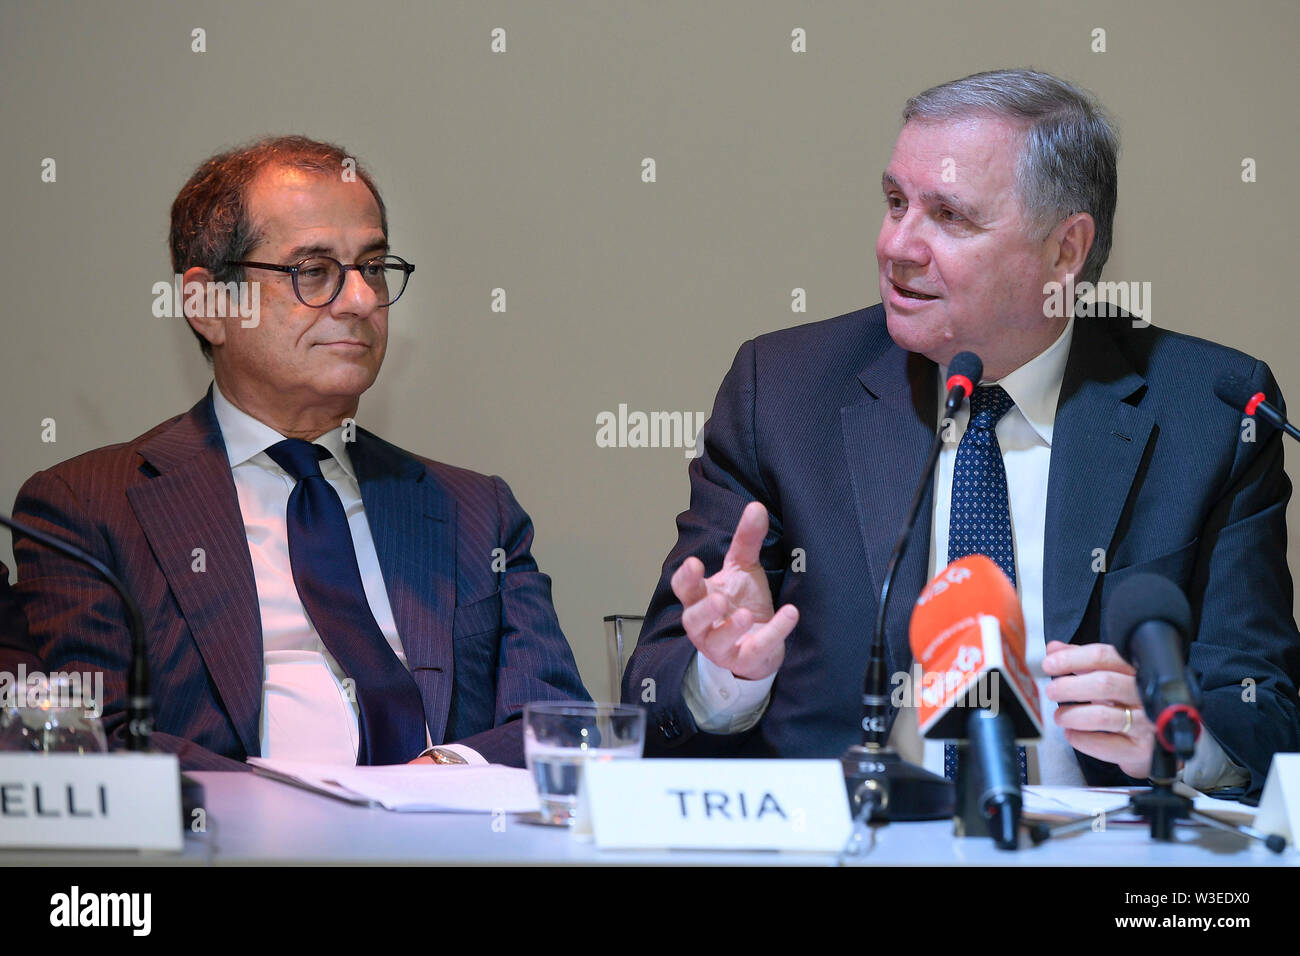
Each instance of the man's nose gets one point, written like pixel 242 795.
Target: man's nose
pixel 901 241
pixel 356 297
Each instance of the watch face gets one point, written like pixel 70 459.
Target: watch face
pixel 447 757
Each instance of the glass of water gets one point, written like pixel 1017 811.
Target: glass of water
pixel 49 716
pixel 561 736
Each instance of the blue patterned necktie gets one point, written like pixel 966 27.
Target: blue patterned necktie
pixel 325 571
pixel 980 516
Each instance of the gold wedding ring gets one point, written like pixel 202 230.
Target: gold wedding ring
pixel 1128 721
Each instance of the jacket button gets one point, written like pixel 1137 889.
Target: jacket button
pixel 669 727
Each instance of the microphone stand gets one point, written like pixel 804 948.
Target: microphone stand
pixel 139 700
pixel 1162 808
pixel 1141 631
pixel 882 785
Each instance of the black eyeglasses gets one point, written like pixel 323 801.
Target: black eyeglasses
pixel 317 281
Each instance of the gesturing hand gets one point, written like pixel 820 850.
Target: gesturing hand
pixel 728 616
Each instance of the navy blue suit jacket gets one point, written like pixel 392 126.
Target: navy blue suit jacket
pixel 828 425
pixel 481 642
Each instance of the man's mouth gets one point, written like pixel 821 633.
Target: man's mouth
pixel 910 294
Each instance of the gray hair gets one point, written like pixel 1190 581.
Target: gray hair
pixel 1068 164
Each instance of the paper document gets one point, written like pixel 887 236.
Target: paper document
pixel 415 787
pixel 1062 802
pixel 1072 801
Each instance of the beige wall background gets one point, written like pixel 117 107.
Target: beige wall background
pixel 522 171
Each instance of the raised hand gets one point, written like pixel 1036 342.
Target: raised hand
pixel 728 616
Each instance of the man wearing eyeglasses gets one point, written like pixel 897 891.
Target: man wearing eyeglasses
pixel 310 591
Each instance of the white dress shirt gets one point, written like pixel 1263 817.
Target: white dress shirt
pixel 720 702
pixel 307 713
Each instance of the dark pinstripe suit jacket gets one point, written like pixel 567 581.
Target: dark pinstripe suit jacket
pixel 480 643
pixel 15 645
pixel 829 424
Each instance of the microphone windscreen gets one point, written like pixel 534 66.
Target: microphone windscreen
pixel 949 606
pixel 968 638
pixel 1139 599
pixel 967 364
pixel 1235 391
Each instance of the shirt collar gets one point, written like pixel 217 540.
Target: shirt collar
pixel 246 437
pixel 1035 387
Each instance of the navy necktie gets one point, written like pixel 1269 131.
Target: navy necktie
pixel 325 571
pixel 980 517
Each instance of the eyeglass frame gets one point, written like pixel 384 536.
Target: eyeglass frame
pixel 406 267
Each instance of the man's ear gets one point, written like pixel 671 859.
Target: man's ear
pixel 1070 242
pixel 198 313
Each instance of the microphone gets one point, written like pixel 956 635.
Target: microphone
pixel 880 783
pixel 992 749
pixel 1149 622
pixel 968 636
pixel 139 700
pixel 1240 394
pixel 965 370
pixel 963 375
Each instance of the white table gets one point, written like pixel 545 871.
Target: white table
pixel 255 821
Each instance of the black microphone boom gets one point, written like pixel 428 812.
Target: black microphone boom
pixel 880 783
pixel 965 370
pixel 139 701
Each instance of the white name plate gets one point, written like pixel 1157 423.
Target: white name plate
pixel 1279 806
pixel 717 804
pixel 95 801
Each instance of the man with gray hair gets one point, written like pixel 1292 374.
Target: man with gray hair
pixel 1087 454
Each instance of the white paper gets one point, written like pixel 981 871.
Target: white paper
pixel 1072 801
pixel 413 787
pixel 1089 801
pixel 1230 811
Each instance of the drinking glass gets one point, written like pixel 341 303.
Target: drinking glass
pixel 560 737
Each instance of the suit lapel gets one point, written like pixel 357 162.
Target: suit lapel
pixel 886 437
pixel 1098 443
pixel 413 523
pixel 191 504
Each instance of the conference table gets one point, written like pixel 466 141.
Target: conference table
pixel 253 821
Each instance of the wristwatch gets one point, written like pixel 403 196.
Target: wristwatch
pixel 444 756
